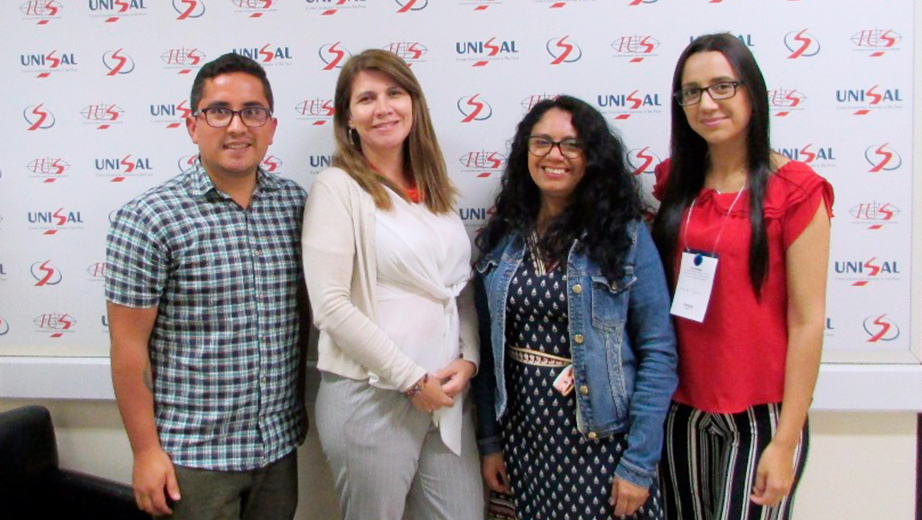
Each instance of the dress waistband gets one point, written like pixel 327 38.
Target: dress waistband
pixel 535 358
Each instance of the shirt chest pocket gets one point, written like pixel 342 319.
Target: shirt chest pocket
pixel 610 300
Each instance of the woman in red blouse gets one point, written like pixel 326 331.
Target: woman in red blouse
pixel 744 234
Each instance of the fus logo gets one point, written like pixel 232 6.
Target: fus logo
pixel 882 158
pixel 183 59
pixel 635 47
pixel 482 163
pixel 563 50
pixel 642 160
pixel 117 169
pixel 319 111
pixel 815 156
pixel 38 117
pixel 641 2
pixel 102 115
pixel 407 6
pixel 869 99
pixel 42 11
pixel 876 42
pixel 875 214
pixel 171 113
pixel 332 55
pixel 880 328
pixel 410 52
pixel 97 271
pixel 49 169
pixel 860 273
pixel 50 222
pixel 268 54
pixel 783 101
pixel 115 10
pixel 271 164
pixel 44 65
pixel 254 8
pixel 56 323
pixel 331 7
pixel 801 44
pixel 45 274
pixel 482 53
pixel 532 100
pixel 188 9
pixel 118 62
pixel 479 5
pixel 473 108
pixel 623 106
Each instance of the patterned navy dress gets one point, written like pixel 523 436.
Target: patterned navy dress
pixel 555 472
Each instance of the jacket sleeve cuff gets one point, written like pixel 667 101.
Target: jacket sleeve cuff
pixel 633 474
pixel 489 445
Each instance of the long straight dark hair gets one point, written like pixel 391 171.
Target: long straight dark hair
pixel 690 159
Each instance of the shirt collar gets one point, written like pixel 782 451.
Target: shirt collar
pixel 201 184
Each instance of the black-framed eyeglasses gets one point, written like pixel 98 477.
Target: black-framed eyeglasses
pixel 220 117
pixel 692 95
pixel 540 146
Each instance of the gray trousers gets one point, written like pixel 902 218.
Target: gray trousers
pixel 389 462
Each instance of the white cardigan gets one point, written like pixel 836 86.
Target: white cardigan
pixel 338 244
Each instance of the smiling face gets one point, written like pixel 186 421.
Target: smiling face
pixel 720 123
pixel 381 112
pixel 555 174
pixel 235 150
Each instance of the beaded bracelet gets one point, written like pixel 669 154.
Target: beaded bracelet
pixel 417 388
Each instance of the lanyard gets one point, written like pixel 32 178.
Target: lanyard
pixel 722 222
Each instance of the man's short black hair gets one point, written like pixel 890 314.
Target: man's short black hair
pixel 226 64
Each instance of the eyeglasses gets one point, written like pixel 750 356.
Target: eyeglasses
pixel 541 146
pixel 220 117
pixel 692 95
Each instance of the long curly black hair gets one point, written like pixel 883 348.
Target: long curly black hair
pixel 603 203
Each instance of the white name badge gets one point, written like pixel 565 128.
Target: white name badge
pixel 693 290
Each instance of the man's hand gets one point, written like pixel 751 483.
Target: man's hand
pixel 153 479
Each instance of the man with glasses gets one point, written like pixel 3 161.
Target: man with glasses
pixel 205 304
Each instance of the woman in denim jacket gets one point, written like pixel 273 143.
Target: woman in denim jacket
pixel 578 359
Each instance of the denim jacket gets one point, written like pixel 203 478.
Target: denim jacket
pixel 621 340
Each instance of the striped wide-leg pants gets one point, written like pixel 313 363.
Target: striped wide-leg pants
pixel 710 460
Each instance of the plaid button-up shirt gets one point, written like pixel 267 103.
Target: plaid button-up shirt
pixel 224 350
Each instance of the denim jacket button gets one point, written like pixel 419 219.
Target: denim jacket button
pixel 578 339
pixel 584 390
pixel 577 289
pixel 592 435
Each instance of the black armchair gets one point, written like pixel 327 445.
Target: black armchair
pixel 33 486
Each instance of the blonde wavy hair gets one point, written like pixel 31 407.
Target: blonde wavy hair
pixel 422 155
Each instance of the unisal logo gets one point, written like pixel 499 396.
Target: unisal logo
pixel 45 274
pixel 859 273
pixel 102 115
pixel 480 5
pixel 474 108
pixel 409 6
pixel 55 323
pixel 183 59
pixel 563 50
pixel 482 163
pixel 114 10
pixel 331 7
pixel 876 42
pixel 333 55
pixel 801 44
pixel 874 214
pixel 865 100
pixel 188 9
pixel 172 115
pixel 319 162
pixel 268 54
pixel 41 11
pixel 43 65
pixel 119 169
pixel 642 160
pixel 784 101
pixel 317 111
pixel 411 52
pixel 816 156
pixel 50 222
pixel 254 8
pixel 529 102
pixel 480 53
pixel 38 117
pixel 474 217
pixel 880 328
pixel 635 47
pixel 625 105
pixel 882 158
pixel 118 62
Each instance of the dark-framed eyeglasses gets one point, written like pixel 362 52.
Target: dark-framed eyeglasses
pixel 539 145
pixel 220 117
pixel 692 95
